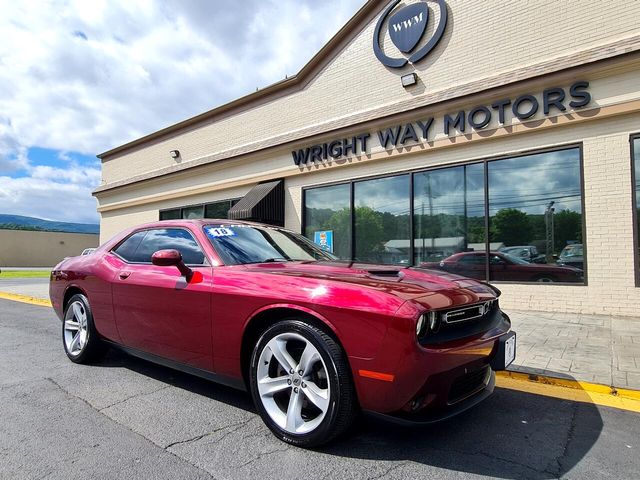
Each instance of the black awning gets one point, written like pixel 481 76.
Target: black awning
pixel 264 203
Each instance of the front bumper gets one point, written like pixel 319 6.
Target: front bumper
pixel 432 382
pixel 429 416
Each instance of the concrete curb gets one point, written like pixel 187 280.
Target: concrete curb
pixel 576 384
pixel 41 302
pixel 574 390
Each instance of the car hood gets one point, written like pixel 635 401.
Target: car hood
pixel 431 288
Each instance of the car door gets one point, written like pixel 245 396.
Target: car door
pixel 156 309
pixel 471 265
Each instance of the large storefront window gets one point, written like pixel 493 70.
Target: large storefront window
pixel 382 214
pixel 515 219
pixel 636 188
pixel 448 214
pixel 535 218
pixel 328 218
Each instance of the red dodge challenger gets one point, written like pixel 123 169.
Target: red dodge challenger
pixel 263 309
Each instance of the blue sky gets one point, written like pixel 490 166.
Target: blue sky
pixel 78 78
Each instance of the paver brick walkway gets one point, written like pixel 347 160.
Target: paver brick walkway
pixel 592 348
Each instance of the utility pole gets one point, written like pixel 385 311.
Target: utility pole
pixel 550 237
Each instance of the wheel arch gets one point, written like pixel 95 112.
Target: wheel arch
pixel 70 292
pixel 267 316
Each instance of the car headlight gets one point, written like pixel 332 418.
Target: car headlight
pixel 428 322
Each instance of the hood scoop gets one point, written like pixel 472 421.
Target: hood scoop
pixel 386 273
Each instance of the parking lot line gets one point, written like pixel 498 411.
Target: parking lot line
pixel 570 390
pixel 25 299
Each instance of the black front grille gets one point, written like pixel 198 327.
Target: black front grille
pixel 467 384
pixel 465 321
pixel 465 314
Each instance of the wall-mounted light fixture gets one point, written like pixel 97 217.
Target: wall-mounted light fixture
pixel 175 154
pixel 408 80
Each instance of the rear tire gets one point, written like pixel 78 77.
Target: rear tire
pixel 301 384
pixel 80 339
pixel 545 279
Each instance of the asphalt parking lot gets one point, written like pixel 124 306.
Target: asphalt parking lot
pixel 126 418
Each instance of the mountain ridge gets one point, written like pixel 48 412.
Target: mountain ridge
pixel 20 222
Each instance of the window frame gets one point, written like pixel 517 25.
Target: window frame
pixel 634 209
pixel 484 161
pixel 205 263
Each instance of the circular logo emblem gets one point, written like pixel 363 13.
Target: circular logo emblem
pixel 406 28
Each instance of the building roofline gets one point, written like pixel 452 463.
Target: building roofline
pixel 299 80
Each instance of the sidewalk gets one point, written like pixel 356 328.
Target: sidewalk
pixel 588 348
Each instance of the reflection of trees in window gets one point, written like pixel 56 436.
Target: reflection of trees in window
pixel 327 208
pixel 382 220
pixel 536 200
pixel 448 211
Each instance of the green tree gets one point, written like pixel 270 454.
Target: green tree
pixel 568 227
pixel 511 227
pixel 340 223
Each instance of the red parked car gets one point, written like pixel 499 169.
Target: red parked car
pixel 505 267
pixel 263 309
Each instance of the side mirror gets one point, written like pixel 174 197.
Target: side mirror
pixel 171 258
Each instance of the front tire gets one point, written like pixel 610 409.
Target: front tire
pixel 80 339
pixel 301 384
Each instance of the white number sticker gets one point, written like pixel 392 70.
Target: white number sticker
pixel 220 232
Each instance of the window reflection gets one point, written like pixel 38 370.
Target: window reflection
pixel 449 215
pixel 328 210
pixel 535 218
pixel 535 215
pixel 636 163
pixel 382 220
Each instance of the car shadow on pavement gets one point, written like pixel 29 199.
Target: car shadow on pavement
pixel 510 435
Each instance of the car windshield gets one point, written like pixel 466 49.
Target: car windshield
pixel 513 259
pixel 516 251
pixel 571 251
pixel 243 244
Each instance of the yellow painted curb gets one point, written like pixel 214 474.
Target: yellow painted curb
pixel 573 390
pixel 41 302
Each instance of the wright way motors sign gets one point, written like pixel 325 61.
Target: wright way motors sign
pixel 554 100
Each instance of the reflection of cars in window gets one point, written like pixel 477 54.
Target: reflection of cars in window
pixel 525 252
pixel 264 309
pixel 504 267
pixel 572 255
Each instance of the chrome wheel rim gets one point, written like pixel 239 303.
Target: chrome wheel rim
pixel 75 328
pixel 293 383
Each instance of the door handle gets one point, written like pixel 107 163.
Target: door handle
pixel 124 275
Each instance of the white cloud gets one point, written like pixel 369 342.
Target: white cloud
pixel 50 199
pixel 89 76
pixel 79 76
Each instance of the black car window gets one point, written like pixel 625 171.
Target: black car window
pixel 165 239
pixel 473 259
pixel 127 249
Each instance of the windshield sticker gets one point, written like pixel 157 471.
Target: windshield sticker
pixel 220 232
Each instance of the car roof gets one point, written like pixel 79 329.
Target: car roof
pixel 195 222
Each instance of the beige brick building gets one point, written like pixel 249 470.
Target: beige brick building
pixel 519 131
